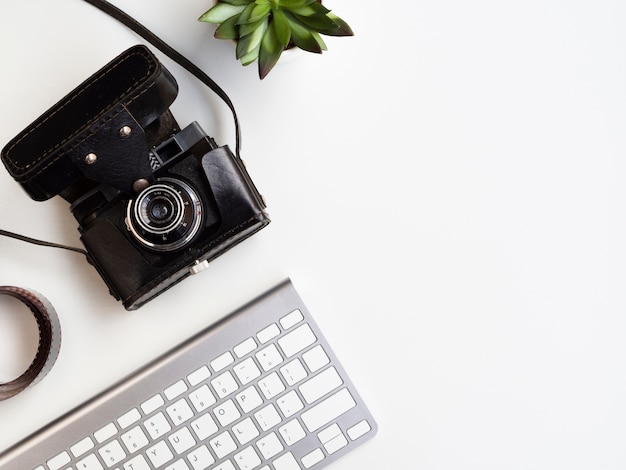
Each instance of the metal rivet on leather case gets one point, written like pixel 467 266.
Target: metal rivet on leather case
pixel 91 158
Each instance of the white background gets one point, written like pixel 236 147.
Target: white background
pixel 447 190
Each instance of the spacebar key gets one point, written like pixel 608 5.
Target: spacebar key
pixel 328 410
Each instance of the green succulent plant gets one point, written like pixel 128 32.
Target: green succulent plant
pixel 263 29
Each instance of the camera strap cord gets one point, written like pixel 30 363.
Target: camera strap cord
pixel 170 52
pixel 49 340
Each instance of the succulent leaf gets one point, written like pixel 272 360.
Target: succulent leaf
pixel 237 2
pixel 341 28
pixel 220 12
pixel 314 8
pixel 250 56
pixel 270 52
pixel 249 28
pixel 259 12
pixel 319 40
pixel 316 22
pixel 248 43
pixel 291 4
pixel 302 36
pixel 281 27
pixel 245 14
pixel 228 29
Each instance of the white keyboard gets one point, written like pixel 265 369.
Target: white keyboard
pixel 260 390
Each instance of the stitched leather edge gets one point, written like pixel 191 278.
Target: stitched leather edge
pixel 153 66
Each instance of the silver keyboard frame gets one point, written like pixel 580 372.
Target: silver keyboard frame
pixel 170 367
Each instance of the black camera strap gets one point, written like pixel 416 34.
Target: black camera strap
pixel 34 241
pixel 170 52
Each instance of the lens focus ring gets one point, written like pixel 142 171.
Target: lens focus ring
pixel 159 209
pixel 166 216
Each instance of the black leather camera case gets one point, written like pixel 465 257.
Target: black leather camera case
pixel 101 148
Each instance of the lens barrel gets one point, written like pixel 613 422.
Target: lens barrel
pixel 165 216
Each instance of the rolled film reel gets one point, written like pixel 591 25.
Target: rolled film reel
pixel 49 340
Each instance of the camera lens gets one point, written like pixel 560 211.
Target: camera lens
pixel 165 216
pixel 160 211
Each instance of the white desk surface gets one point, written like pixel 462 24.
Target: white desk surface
pixel 448 194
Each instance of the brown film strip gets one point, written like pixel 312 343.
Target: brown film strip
pixel 49 340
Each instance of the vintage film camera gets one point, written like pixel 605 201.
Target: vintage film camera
pixel 154 203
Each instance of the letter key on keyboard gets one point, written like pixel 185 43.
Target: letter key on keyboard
pixel 260 390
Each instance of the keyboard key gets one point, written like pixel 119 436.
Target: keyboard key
pixel 90 462
pixel 271 386
pixel 201 458
pixel 359 429
pixel 293 372
pixel 227 413
pixel 152 404
pixel 105 433
pixel 112 453
pixel 134 440
pixel 224 384
pixel 179 412
pixel 137 463
pixel 58 461
pixel 290 404
pixel 292 432
pixel 204 427
pixel 223 445
pixel 227 465
pixel 332 439
pixel 286 462
pixel 159 454
pixel 249 399
pixel 182 440
pixel 245 347
pixel 202 398
pixel 178 465
pixel 294 342
pixel 129 418
pixel 291 319
pixel 222 361
pixel 247 459
pixel 175 390
pixel 313 458
pixel 267 417
pixel 82 447
pixel 247 371
pixel 269 446
pixel 245 431
pixel 157 426
pixel 328 410
pixel 268 333
pixel 269 357
pixel 337 443
pixel 199 376
pixel 316 358
pixel 320 385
